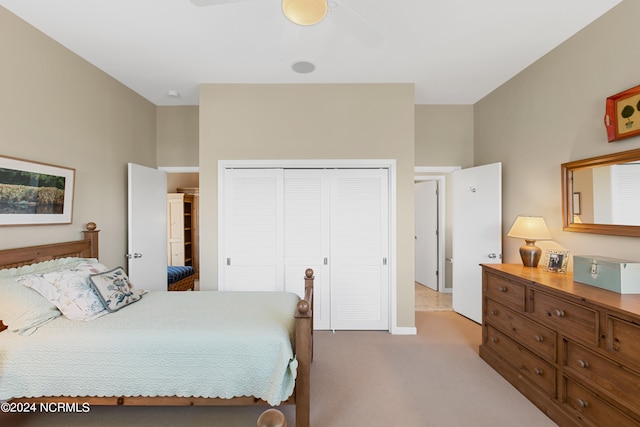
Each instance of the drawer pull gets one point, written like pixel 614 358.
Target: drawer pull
pixel 582 403
pixel 493 339
pixel 502 288
pixel 539 338
pixel 558 312
pixel 583 363
pixel 538 371
pixel 494 312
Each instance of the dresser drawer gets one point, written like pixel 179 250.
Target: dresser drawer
pixel 620 382
pixel 577 321
pixel 535 337
pixel 526 363
pixel 592 408
pixel 505 291
pixel 623 342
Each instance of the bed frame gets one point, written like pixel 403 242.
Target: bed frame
pixel 88 248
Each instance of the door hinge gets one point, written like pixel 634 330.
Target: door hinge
pixel 326 260
pixel 228 261
pixel 384 261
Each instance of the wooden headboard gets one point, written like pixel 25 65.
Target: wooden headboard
pixel 85 248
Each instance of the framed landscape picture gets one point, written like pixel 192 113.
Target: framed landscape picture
pixel 34 193
pixel 622 117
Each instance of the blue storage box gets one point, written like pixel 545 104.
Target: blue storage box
pixel 613 274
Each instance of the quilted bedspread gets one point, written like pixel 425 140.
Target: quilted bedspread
pixel 201 344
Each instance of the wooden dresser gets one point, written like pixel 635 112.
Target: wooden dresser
pixel 571 349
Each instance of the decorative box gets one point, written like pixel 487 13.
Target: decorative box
pixel 613 274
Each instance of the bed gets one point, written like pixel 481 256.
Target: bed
pixel 122 358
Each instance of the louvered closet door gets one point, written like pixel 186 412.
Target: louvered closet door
pixel 279 222
pixel 359 249
pixel 306 236
pixel 253 230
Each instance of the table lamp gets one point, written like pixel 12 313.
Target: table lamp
pixel 530 228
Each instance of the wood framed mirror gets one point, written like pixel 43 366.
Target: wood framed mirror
pixel 602 194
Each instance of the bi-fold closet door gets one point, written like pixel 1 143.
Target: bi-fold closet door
pixel 278 222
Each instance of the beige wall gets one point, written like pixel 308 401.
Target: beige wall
pixel 350 121
pixel 552 113
pixel 177 135
pixel 182 180
pixel 57 108
pixel 444 135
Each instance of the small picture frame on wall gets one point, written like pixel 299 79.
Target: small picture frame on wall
pixel 33 193
pixel 622 116
pixel 556 261
pixel 576 203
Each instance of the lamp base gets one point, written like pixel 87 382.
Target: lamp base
pixel 530 254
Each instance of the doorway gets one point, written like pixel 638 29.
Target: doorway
pixel 186 180
pixel 436 298
pixel 426 233
pixel 433 206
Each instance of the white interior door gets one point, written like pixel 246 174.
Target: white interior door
pixel 426 233
pixel 477 233
pixel 306 237
pixel 253 230
pixel 359 249
pixel 147 221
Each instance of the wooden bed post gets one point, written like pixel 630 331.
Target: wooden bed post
pixel 304 352
pixel 91 234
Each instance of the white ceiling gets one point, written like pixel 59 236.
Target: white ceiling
pixel 455 51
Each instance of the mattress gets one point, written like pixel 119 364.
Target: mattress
pixel 186 344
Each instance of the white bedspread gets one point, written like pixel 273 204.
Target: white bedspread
pixel 201 344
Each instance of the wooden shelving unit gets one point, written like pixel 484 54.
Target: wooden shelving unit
pixel 182 229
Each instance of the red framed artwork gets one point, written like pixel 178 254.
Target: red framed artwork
pixel 622 117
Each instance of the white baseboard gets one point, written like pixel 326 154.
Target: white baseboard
pixel 403 330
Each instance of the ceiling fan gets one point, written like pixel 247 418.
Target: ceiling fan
pixel 311 12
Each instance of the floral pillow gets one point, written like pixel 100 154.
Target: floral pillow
pixel 70 290
pixel 114 289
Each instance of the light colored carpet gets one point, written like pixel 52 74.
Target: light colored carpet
pixel 365 378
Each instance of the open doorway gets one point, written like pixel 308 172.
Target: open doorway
pixel 426 233
pixel 431 293
pixel 183 235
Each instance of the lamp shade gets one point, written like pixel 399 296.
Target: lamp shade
pixel 530 228
pixel 305 12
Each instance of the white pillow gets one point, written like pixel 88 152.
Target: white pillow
pixel 22 310
pixel 70 290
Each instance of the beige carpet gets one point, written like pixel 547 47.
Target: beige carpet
pixel 368 378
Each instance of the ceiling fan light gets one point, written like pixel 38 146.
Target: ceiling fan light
pixel 305 12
